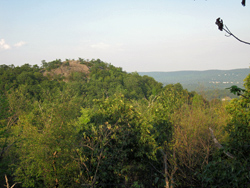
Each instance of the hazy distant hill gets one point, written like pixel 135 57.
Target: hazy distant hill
pixel 210 79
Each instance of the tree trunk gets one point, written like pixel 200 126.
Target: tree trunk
pixel 166 169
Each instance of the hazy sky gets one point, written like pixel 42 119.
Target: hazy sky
pixel 137 35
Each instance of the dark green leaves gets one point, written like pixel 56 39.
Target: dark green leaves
pixel 236 90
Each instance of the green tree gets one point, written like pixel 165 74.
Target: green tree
pixel 5 126
pixel 119 134
pixel 233 172
pixel 45 150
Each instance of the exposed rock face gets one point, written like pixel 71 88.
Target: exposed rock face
pixel 67 68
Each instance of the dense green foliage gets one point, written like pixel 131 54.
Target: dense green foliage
pixel 109 128
pixel 233 172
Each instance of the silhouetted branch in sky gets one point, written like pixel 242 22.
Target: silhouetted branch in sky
pixel 243 2
pixel 223 27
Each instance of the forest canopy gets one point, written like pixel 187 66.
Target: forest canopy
pixel 87 123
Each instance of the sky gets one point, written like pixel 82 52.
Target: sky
pixel 137 35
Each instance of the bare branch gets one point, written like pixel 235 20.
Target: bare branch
pixel 221 27
pixel 7 182
pixel 97 168
pixel 4 149
pixel 218 145
pixel 231 34
pixel 156 169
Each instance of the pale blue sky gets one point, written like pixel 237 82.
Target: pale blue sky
pixel 137 35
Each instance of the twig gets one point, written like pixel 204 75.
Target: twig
pixel 231 34
pixel 5 149
pixel 7 182
pixel 99 161
pixel 156 169
pixel 221 27
pixel 218 145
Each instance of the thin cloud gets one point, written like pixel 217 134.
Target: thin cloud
pixel 3 45
pixel 19 44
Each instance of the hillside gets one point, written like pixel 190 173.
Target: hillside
pixel 210 79
pixel 66 122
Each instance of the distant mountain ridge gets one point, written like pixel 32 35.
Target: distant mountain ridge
pixel 209 79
